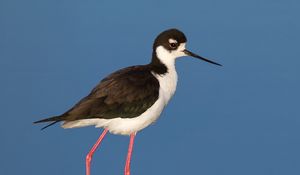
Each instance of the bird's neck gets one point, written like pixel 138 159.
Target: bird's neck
pixel 157 66
pixel 163 68
pixel 162 61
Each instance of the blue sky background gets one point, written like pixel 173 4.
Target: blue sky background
pixel 242 118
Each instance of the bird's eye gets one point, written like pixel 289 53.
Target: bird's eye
pixel 173 45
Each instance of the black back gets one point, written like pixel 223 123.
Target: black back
pixel 126 93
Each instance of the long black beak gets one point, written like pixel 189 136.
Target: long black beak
pixel 199 57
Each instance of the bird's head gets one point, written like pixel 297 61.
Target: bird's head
pixel 171 44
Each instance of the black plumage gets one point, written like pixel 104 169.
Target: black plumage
pixel 126 93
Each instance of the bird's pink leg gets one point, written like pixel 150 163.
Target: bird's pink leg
pixel 90 154
pixel 130 148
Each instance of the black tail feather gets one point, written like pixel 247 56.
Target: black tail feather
pixel 49 125
pixel 53 121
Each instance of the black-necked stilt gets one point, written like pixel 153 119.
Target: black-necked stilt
pixel 132 98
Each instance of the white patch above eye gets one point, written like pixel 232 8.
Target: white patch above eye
pixel 171 40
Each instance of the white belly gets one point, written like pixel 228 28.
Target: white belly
pixel 126 126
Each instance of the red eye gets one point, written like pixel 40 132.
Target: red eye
pixel 173 45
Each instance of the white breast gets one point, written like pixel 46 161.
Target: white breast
pixel 168 83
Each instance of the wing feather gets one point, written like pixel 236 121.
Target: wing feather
pixel 126 93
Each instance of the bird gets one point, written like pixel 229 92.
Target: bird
pixel 132 98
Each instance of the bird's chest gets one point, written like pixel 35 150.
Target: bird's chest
pixel 167 83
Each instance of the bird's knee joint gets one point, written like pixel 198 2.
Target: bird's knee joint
pixel 88 158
